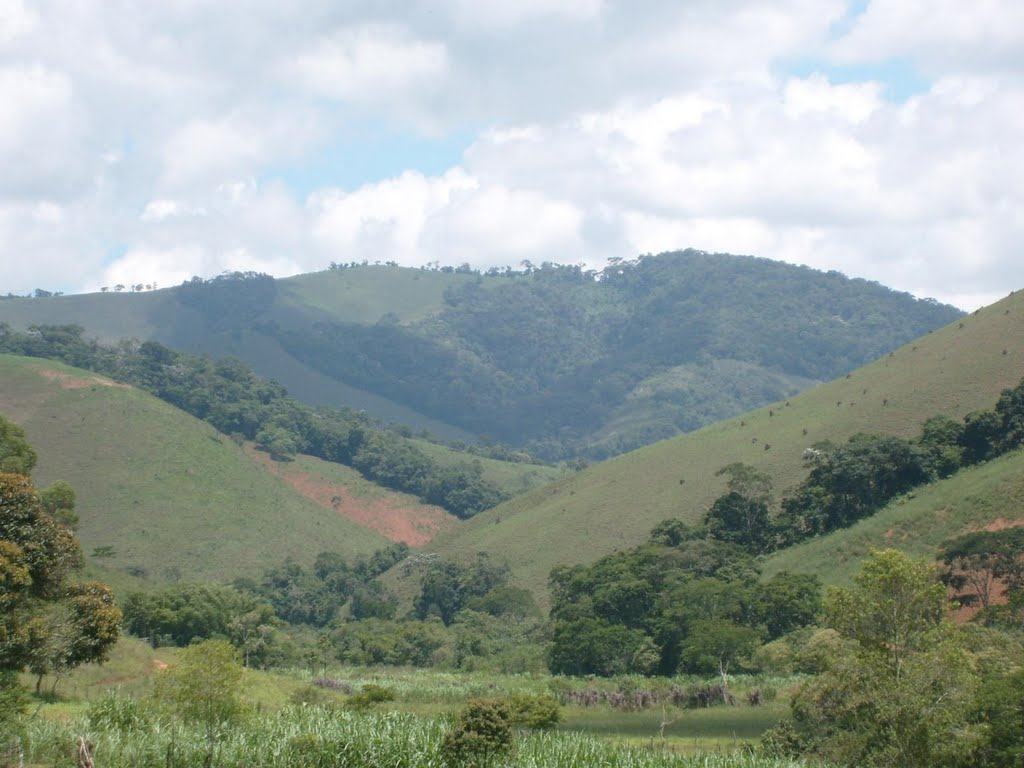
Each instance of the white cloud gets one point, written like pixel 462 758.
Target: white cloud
pixel 383 221
pixel 161 210
pixel 15 20
pixel 370 64
pixel 601 128
pixel 941 35
pixel 854 102
pixel 476 15
pixel 148 265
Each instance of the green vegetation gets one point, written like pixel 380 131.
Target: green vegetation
pixel 310 736
pixel 48 623
pixel 242 405
pixel 954 371
pixel 903 684
pixel 562 361
pixel 690 605
pixel 165 494
pixel 919 523
pixel 547 357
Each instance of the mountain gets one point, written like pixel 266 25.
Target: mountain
pixel 613 505
pixel 555 359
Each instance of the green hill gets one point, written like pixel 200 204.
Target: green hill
pixel 168 494
pixel 557 360
pixel 989 494
pixel 960 368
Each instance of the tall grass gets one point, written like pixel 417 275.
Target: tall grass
pixel 310 737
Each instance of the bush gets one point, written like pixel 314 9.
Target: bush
pixel 535 711
pixel 482 731
pixel 369 695
pixel 308 696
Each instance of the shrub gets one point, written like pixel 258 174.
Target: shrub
pixel 369 695
pixel 535 711
pixel 482 731
pixel 308 696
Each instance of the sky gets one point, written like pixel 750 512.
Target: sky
pixel 150 142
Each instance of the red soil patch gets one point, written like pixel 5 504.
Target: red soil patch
pixel 409 522
pixel 965 613
pixel 1001 524
pixel 68 381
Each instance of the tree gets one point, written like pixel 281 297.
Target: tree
pixel 16 455
pixel 59 502
pixel 977 563
pixel 900 689
pixel 740 519
pixel 716 646
pixel 1001 709
pixel 47 623
pixel 79 630
pixel 482 732
pixel 747 481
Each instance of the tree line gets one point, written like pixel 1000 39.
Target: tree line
pixel 851 481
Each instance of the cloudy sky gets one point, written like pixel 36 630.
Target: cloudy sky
pixel 147 142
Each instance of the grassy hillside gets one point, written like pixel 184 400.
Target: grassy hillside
pixel 344 491
pixel 954 370
pixel 992 493
pixel 511 477
pixel 171 496
pixel 365 295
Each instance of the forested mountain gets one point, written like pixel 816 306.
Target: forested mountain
pixel 559 360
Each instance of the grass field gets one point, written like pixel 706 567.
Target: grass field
pixel 170 495
pixel 434 695
pixel 613 505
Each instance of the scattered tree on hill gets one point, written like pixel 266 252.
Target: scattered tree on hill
pixel 977 563
pixel 236 401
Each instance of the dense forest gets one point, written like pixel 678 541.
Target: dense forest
pixel 668 343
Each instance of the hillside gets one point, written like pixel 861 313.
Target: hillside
pixel 613 505
pixel 555 359
pixel 991 494
pixel 170 496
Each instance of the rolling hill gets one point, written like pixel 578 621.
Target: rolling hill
pixel 955 370
pixel 170 496
pixel 557 360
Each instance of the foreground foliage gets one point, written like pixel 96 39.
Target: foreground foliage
pixel 902 684
pixel 48 623
pixel 312 737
